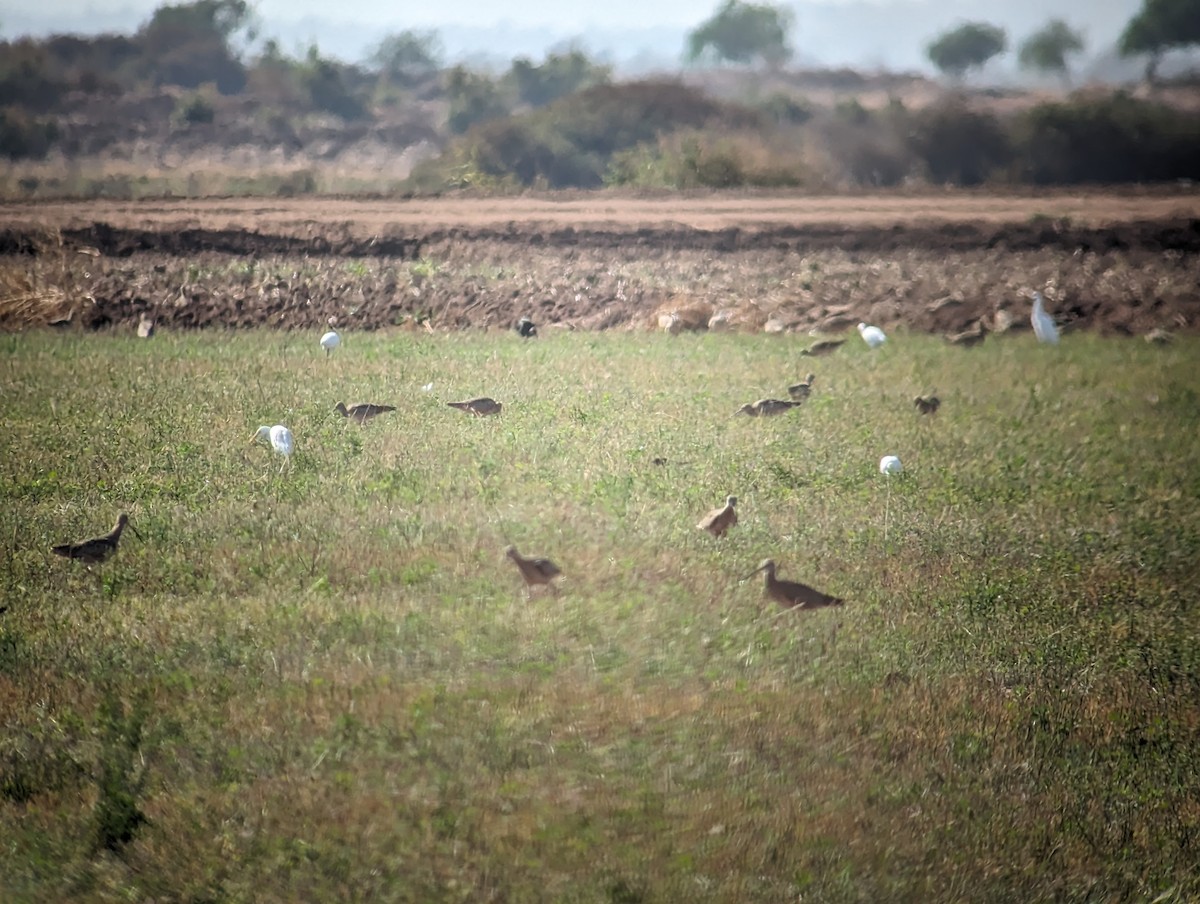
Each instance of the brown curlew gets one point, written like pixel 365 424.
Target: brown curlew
pixel 968 338
pixel 480 407
pixel 720 519
pixel 790 594
pixel 800 391
pixel 97 549
pixel 927 404
pixel 824 347
pixel 535 571
pixel 767 407
pixel 362 413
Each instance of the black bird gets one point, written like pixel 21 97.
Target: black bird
pixel 525 328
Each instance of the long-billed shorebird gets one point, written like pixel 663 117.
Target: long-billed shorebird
pixel 280 438
pixel 719 520
pixel 1043 323
pixel 872 335
pixel 968 338
pixel 823 347
pixel 767 407
pixel 790 594
pixel 800 391
pixel 536 571
pixel 97 549
pixel 480 407
pixel 362 413
pixel 927 404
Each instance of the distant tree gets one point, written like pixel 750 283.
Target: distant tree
pixel 191 44
pixel 1047 50
pixel 560 74
pixel 408 58
pixel 473 97
pixel 220 18
pixel 1159 26
pixel 328 85
pixel 967 47
pixel 744 33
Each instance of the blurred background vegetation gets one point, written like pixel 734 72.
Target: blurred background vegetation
pixel 194 89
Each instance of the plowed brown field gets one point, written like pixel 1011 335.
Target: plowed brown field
pixel 1119 261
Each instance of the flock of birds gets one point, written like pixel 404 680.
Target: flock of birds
pixel 538 571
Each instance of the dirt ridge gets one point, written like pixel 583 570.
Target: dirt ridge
pixel 1175 234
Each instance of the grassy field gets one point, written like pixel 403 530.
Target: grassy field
pixel 327 683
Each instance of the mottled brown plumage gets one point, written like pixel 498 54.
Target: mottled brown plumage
pixel 535 571
pixel 927 404
pixel 767 407
pixel 480 407
pixel 824 347
pixel 968 338
pixel 800 391
pixel 362 413
pixel 790 594
pixel 719 520
pixel 96 550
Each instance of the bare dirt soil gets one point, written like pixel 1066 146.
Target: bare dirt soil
pixel 1116 261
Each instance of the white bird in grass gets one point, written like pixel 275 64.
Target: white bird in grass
pixel 330 341
pixel 281 441
pixel 890 464
pixel 872 335
pixel 1043 323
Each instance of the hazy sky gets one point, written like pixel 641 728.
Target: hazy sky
pixel 879 33
pixel 408 13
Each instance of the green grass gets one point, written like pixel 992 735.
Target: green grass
pixel 326 684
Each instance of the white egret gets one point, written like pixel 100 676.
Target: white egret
pixel 872 335
pixel 281 441
pixel 1043 323
pixel 330 341
pixel 888 465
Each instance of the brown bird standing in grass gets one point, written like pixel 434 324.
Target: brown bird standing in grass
pixel 927 404
pixel 362 413
pixel 535 571
pixel 790 594
pixel 719 520
pixel 96 550
pixel 800 391
pixel 480 407
pixel 824 347
pixel 767 407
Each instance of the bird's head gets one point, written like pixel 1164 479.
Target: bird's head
pixel 767 565
pixel 731 500
pixel 263 432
